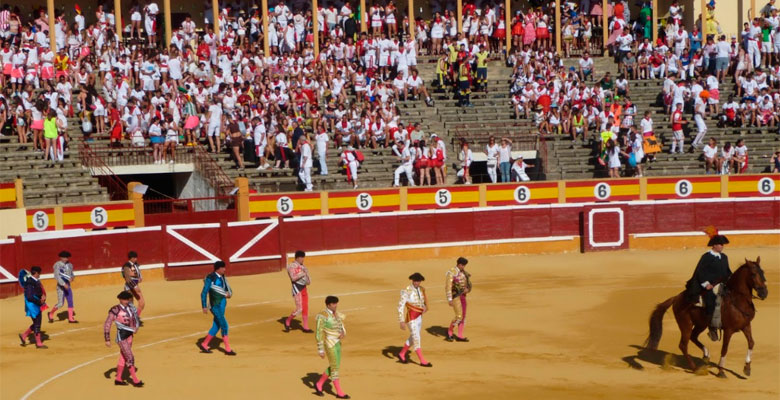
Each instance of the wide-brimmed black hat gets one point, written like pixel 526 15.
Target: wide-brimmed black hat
pixel 417 277
pixel 124 295
pixel 718 239
pixel 65 254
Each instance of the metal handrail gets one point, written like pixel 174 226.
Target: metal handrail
pixel 168 206
pixel 107 178
pixel 212 172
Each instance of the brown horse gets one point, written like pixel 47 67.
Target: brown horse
pixel 737 311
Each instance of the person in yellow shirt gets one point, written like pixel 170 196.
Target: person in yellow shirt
pixel 464 83
pixel 441 70
pixel 50 137
pixel 452 60
pixel 482 55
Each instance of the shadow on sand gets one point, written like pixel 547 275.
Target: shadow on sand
pixel 213 344
pixel 438 331
pixel 310 380
pixel 669 361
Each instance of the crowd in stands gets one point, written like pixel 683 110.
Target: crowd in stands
pixel 274 110
pixel 572 102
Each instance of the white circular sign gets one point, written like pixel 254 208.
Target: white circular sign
pixel 364 201
pixel 766 186
pixel 602 191
pixel 522 194
pixel 40 221
pixel 98 216
pixel 443 198
pixel 284 205
pixel 683 188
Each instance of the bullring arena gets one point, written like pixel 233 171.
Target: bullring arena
pixel 560 324
pixel 564 326
pixel 556 171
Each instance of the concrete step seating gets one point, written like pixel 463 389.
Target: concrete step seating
pixel 65 183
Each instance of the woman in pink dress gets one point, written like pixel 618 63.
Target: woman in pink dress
pixel 529 32
pixel 596 12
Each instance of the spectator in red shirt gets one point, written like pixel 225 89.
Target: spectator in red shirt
pixel 116 125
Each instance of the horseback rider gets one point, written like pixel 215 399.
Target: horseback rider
pixel 713 268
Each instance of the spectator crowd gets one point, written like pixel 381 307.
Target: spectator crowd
pixel 289 107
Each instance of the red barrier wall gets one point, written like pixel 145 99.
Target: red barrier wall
pixel 187 251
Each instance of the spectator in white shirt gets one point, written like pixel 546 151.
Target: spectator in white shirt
pixel 518 168
pixel 407 161
pixel 711 158
pixel 322 140
pixel 466 158
pixel 304 171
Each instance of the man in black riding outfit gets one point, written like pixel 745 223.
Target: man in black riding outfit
pixel 713 268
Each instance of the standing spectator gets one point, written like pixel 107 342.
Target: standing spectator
pixel 613 155
pixel 214 128
pixel 436 160
pixel 156 139
pixel 150 24
pixel 50 135
pixel 504 159
pixel 466 158
pixel 677 128
pixel 236 141
pixel 491 149
pixel 304 171
pixel 322 140
pixel 699 114
pixel 351 164
pixel 636 144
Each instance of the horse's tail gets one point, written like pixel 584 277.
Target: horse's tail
pixel 656 324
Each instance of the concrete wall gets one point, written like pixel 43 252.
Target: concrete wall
pixel 14 222
pixel 193 185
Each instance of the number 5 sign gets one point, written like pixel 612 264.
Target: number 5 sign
pixel 364 201
pixel 107 215
pixel 41 220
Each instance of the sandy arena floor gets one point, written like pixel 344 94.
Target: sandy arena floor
pixel 543 327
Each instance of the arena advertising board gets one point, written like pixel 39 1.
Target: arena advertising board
pixel 602 190
pixel 360 201
pixel 284 204
pixel 683 188
pixel 522 193
pixel 442 197
pixel 7 195
pixel 97 216
pixel 754 185
pixel 41 220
